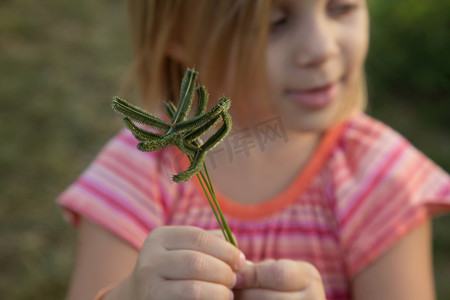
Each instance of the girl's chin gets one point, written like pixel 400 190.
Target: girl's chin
pixel 306 119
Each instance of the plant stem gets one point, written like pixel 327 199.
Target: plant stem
pixel 210 203
pixel 223 223
pixel 208 189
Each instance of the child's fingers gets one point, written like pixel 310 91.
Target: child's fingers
pixel 193 238
pixel 262 294
pixel 281 275
pixel 219 234
pixel 193 265
pixel 192 289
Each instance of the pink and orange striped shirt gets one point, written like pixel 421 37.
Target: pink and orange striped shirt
pixel 363 190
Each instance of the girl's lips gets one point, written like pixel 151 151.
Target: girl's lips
pixel 315 98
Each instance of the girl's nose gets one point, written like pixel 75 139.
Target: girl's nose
pixel 315 43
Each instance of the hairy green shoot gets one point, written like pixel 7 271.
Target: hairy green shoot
pixel 185 134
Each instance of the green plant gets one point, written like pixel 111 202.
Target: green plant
pixel 185 134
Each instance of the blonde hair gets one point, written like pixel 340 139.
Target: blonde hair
pixel 214 35
pixel 224 39
pixel 355 102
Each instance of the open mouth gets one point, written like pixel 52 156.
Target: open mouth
pixel 314 98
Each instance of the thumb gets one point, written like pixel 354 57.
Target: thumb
pixel 250 275
pixel 280 275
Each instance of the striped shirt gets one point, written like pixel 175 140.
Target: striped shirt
pixel 363 190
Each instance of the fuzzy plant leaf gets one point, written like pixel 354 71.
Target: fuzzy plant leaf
pixel 181 132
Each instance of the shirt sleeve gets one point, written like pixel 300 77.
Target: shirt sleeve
pixel 387 189
pixel 121 191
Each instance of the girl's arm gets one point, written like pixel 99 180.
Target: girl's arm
pixel 102 260
pixel 403 273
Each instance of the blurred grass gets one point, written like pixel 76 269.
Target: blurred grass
pixel 62 61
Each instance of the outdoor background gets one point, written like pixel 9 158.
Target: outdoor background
pixel 62 61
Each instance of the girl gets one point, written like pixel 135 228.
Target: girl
pixel 324 201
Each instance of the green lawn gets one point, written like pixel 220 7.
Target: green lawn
pixel 61 62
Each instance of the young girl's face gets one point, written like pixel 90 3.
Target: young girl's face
pixel 315 56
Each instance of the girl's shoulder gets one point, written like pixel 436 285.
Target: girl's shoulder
pixel 367 143
pixel 115 189
pixel 383 188
pixel 372 151
pixel 363 131
pixel 121 152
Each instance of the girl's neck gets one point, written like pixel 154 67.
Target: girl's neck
pixel 254 171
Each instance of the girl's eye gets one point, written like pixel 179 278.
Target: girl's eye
pixel 277 19
pixel 341 8
pixel 278 23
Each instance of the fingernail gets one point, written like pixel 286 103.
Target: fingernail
pixel 234 282
pixel 239 281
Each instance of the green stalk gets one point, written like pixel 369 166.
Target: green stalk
pixel 206 181
pixel 223 222
pixel 212 205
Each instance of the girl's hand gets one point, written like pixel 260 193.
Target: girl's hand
pixel 281 279
pixel 180 262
